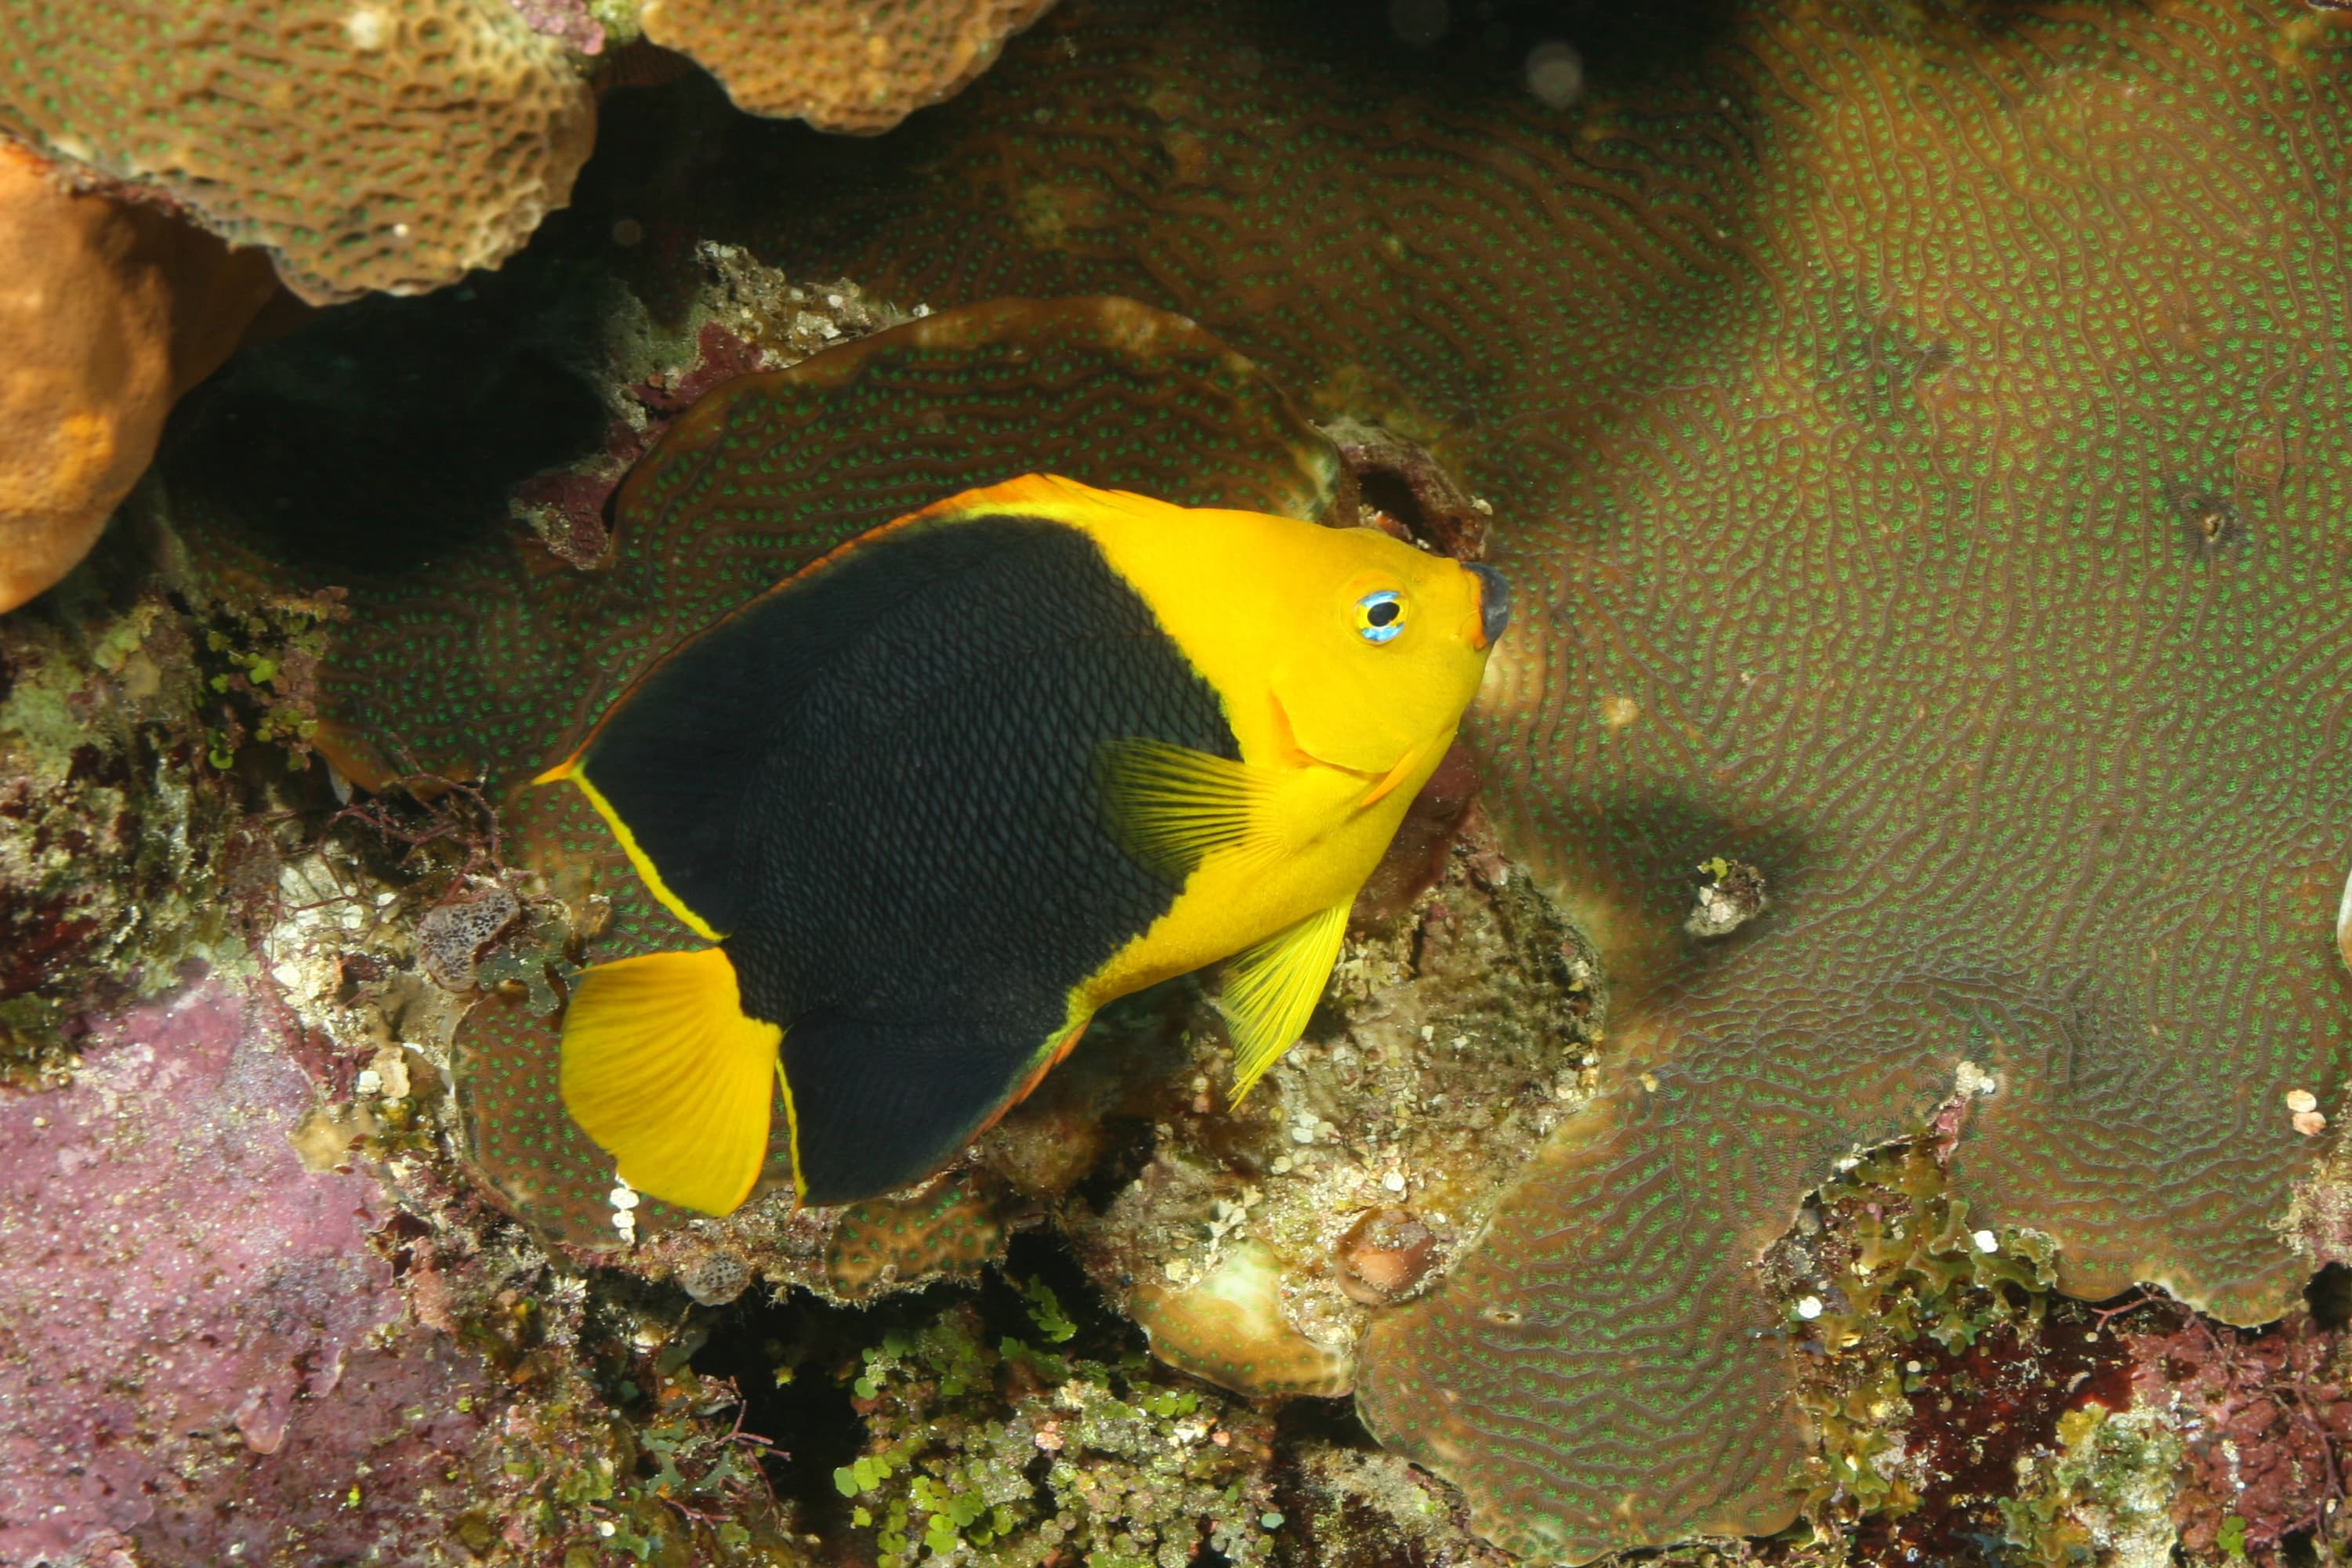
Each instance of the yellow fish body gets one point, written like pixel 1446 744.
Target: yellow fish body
pixel 941 796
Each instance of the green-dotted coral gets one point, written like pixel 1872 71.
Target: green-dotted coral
pixel 1915 434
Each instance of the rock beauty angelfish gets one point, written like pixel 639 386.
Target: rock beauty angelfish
pixel 939 797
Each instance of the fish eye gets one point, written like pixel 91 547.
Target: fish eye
pixel 1379 615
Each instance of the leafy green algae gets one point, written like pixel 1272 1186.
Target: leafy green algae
pixel 1918 433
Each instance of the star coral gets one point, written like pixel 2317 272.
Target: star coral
pixel 841 64
pixel 369 146
pixel 1918 437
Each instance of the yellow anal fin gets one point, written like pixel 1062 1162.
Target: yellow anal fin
pixel 1272 988
pixel 664 1071
pixel 1171 807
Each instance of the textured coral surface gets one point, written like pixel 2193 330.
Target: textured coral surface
pixel 841 64
pixel 181 1299
pixel 1916 435
pixel 388 146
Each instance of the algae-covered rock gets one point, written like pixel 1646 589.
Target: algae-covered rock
pixel 1257 1243
pixel 1017 1452
pixel 112 856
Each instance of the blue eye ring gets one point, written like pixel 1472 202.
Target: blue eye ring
pixel 1379 615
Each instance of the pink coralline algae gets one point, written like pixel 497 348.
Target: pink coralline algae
pixel 2266 1419
pixel 566 21
pixel 179 1298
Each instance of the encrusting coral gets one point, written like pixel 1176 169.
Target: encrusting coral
pixel 1929 486
pixel 841 64
pixel 395 145
pixel 110 310
pixel 375 146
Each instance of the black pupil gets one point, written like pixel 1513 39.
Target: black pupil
pixel 1383 613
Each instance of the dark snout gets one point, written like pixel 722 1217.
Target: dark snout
pixel 1494 601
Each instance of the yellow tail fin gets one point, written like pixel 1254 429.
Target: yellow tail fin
pixel 665 1071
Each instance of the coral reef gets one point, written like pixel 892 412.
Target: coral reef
pixel 391 146
pixel 1849 387
pixel 841 64
pixel 1255 1245
pixel 112 312
pixel 1916 478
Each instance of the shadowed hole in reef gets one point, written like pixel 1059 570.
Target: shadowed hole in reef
pixel 2328 1296
pixel 382 433
pixel 812 1418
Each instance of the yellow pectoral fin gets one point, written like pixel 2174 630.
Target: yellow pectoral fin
pixel 1271 991
pixel 1171 807
pixel 664 1071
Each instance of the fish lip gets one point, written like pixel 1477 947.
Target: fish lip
pixel 1494 601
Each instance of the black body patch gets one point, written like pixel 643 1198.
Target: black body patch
pixel 879 785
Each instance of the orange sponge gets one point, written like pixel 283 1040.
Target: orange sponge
pixel 110 310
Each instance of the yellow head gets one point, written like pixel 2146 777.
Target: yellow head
pixel 1344 644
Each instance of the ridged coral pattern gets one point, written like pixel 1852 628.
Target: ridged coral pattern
pixel 858 66
pixel 1918 437
pixel 369 145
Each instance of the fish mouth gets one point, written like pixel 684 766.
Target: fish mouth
pixel 1494 601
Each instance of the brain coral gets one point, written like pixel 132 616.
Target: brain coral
pixel 1919 432
pixel 369 145
pixel 841 64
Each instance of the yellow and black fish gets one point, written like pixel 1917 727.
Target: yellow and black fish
pixel 941 796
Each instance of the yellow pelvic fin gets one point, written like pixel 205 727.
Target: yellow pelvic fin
pixel 1171 808
pixel 1405 767
pixel 1271 990
pixel 663 1070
